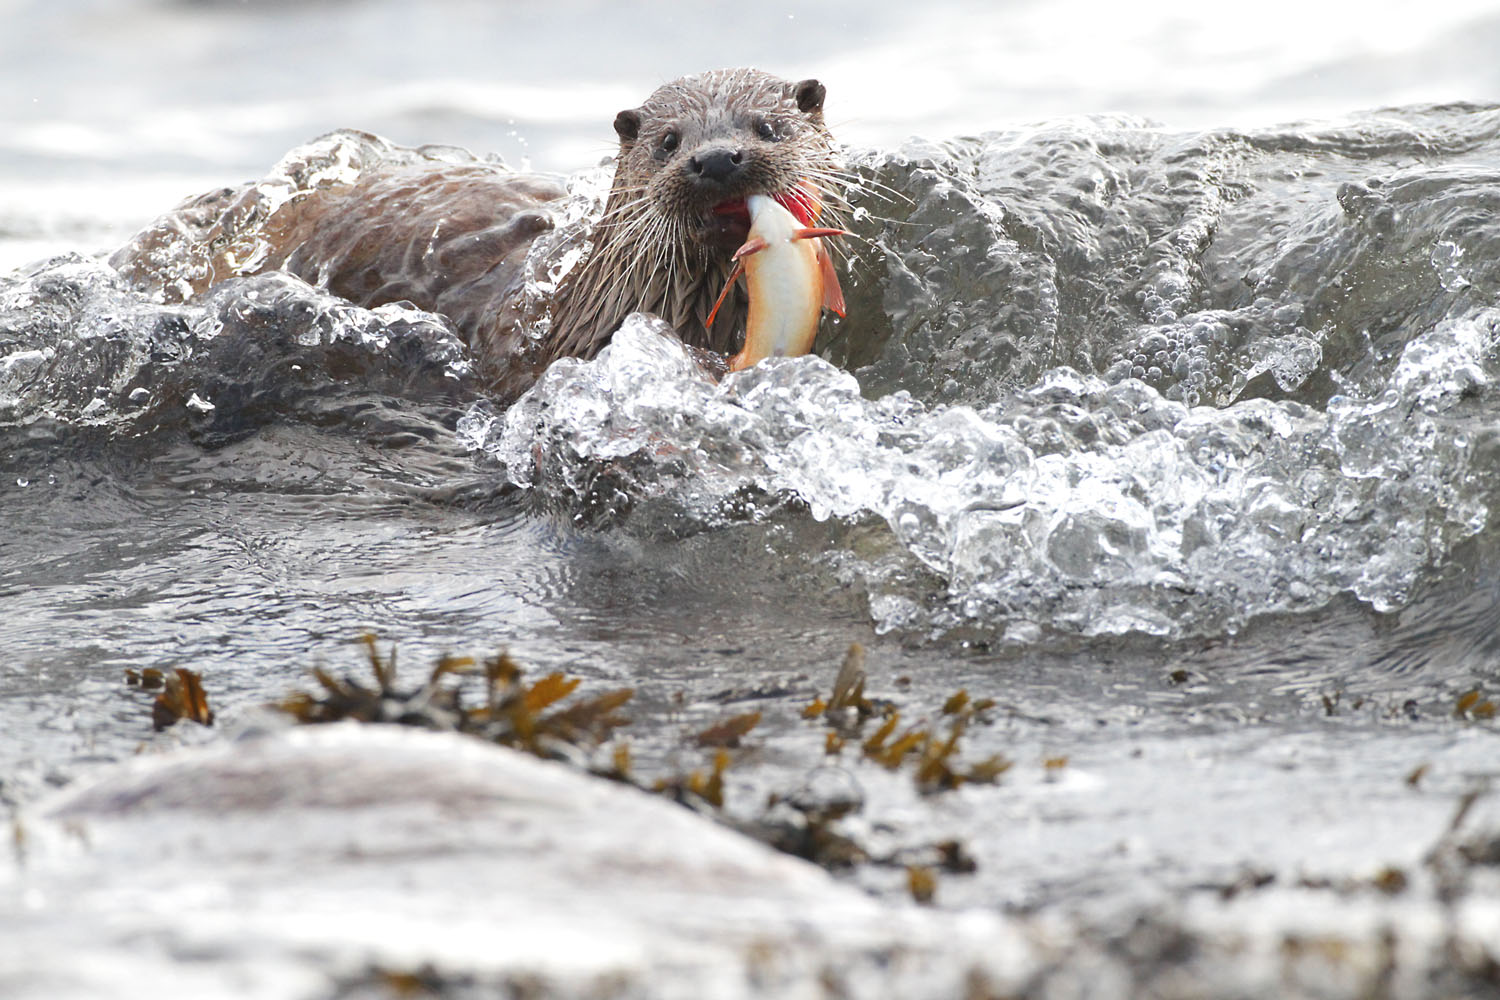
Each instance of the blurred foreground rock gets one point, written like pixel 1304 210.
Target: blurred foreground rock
pixel 362 860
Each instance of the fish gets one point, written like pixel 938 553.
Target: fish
pixel 791 279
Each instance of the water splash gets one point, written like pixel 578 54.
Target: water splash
pixel 1078 506
pixel 82 347
pixel 1098 378
pixel 1106 379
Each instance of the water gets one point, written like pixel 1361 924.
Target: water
pixel 117 110
pixel 1178 440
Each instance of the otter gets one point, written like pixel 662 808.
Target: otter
pixel 453 238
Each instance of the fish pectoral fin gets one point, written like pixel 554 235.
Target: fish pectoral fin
pixel 808 234
pixel 734 276
pixel 833 294
pixel 753 245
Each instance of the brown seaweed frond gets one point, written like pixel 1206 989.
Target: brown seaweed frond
pixel 182 695
pixel 806 822
pixel 932 754
pixel 1473 705
pixel 149 679
pixel 592 719
pixel 811 836
pixel 921 882
pixel 938 769
pixel 542 718
pixel 697 786
pixel 728 732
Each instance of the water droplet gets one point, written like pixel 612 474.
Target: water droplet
pixel 1446 257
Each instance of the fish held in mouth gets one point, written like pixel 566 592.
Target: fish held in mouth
pixel 791 280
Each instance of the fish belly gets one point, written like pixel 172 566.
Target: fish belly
pixel 786 299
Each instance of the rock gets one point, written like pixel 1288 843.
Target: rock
pixel 328 860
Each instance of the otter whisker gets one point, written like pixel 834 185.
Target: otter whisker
pixel 849 181
pixel 663 241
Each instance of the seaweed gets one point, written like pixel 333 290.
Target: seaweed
pixel 956 702
pixel 182 696
pixel 546 718
pixel 1248 879
pixel 1452 857
pixel 1389 881
pixel 431 980
pixel 921 882
pixel 149 679
pixel 549 718
pixel 849 685
pixel 1473 705
pixel 619 763
pixel 729 732
pixel 522 716
pixel 697 786
pixel 847 706
pixel 804 824
pixel 933 754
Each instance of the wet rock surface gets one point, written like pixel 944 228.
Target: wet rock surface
pixel 374 861
pixel 265 866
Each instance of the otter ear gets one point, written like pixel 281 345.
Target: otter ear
pixel 810 95
pixel 628 125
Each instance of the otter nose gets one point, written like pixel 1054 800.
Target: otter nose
pixel 716 164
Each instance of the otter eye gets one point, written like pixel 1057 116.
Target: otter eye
pixel 765 130
pixel 669 142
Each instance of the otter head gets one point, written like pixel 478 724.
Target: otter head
pixel 689 157
pixel 703 143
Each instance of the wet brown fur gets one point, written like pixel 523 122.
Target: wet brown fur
pixel 659 246
pixel 452 238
